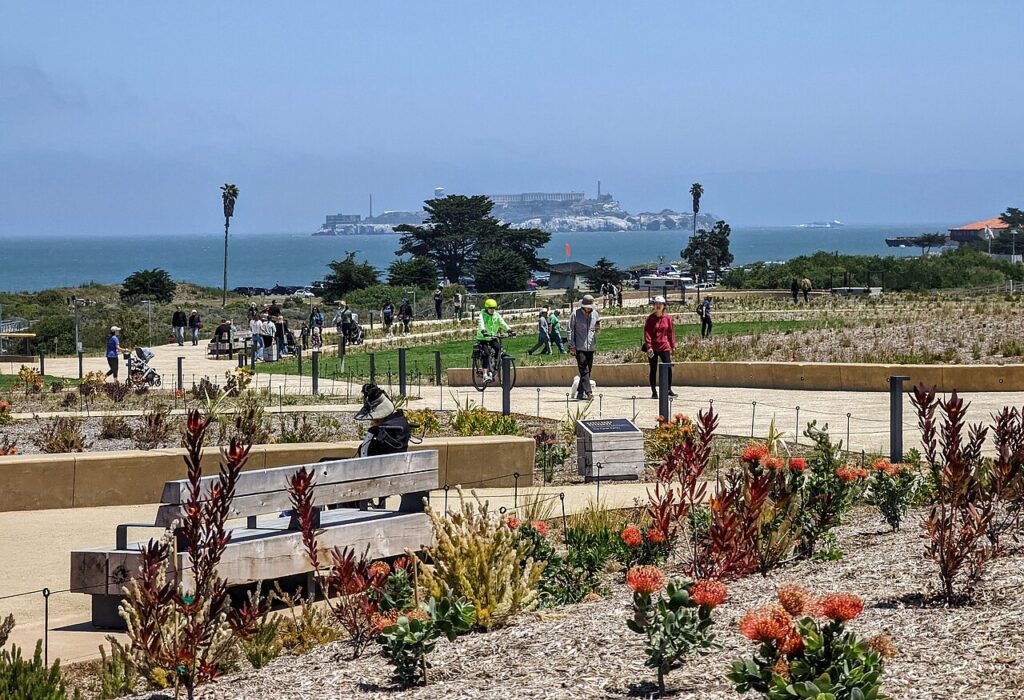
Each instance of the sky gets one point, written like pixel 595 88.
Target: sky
pixel 124 118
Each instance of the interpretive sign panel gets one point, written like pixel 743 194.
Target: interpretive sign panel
pixel 609 449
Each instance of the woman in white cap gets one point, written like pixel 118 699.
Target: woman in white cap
pixel 659 342
pixel 113 352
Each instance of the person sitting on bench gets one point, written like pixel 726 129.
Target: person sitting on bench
pixel 389 431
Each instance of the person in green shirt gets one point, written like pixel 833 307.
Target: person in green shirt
pixel 555 329
pixel 488 326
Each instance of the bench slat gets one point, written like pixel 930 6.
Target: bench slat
pixel 338 471
pixel 323 494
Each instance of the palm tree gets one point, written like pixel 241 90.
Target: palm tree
pixel 229 193
pixel 696 190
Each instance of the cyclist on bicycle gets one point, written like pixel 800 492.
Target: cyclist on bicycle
pixel 487 329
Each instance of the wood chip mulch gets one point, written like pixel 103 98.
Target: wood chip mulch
pixel 585 651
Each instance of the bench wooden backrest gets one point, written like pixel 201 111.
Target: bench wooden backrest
pixel 263 491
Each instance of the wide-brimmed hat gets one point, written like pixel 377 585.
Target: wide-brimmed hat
pixel 376 404
pixel 587 300
pixel 659 299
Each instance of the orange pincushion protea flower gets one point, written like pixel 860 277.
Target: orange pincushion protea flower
pixel 774 463
pixel 379 569
pixel 840 607
pixel 655 535
pixel 512 522
pixel 793 644
pixel 881 465
pixel 851 474
pixel 770 623
pixel 540 526
pixel 709 593
pixel 754 453
pixel 632 536
pixel 781 668
pixel 795 599
pixel 798 464
pixel 645 579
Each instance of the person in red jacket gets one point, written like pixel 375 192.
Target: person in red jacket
pixel 659 342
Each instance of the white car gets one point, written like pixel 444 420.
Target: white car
pixel 304 293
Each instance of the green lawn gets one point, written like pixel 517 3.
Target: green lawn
pixel 420 358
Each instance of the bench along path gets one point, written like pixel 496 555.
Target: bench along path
pixel 271 548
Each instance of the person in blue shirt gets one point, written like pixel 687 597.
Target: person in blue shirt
pixel 113 352
pixel 704 312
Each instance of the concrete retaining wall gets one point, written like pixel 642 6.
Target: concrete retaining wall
pixel 91 479
pixel 779 375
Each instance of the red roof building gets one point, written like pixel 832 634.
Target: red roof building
pixel 976 231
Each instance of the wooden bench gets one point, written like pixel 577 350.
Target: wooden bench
pixel 270 548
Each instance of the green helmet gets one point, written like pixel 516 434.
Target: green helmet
pixel 490 304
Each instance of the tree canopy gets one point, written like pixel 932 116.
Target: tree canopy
pixel 458 231
pixel 709 250
pixel 346 276
pixel 414 272
pixel 604 272
pixel 154 284
pixel 501 270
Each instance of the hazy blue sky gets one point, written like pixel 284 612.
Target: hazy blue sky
pixel 125 117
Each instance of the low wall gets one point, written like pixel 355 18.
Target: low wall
pixel 816 376
pixel 92 479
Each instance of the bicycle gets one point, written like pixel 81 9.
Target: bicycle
pixel 486 361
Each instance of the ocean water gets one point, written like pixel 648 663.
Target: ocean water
pixel 266 259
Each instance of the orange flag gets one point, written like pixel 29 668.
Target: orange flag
pixel 568 251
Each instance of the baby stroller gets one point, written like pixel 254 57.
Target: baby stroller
pixel 355 332
pixel 139 371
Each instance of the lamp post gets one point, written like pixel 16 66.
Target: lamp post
pixel 76 303
pixel 149 306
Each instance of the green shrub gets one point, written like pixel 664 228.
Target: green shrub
pixel 264 645
pixel 60 434
pixel 407 643
pixel 117 674
pixel 23 679
pixel 470 419
pixel 891 488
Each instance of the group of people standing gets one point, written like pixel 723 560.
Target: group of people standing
pixel 269 328
pixel 612 295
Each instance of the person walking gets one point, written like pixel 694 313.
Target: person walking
pixel 343 321
pixel 387 315
pixel 618 294
pixel 555 331
pixel 405 314
pixel 278 320
pixel 584 325
pixel 543 335
pixel 256 328
pixel 805 287
pixel 316 319
pixel 438 300
pixel 704 311
pixel 794 289
pixel 179 322
pixel 659 342
pixel 195 324
pixel 113 352
pixel 267 332
pixel 457 302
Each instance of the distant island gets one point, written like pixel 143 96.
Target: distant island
pixel 555 212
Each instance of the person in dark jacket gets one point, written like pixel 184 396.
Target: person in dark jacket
pixel 389 431
pixel 438 300
pixel 195 324
pixel 179 321
pixel 405 314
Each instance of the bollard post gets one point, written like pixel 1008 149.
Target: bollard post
pixel 371 322
pixel 753 413
pixel 896 418
pixel 245 352
pixel 373 369
pixel 506 385
pixel 634 406
pixel 401 371
pixel 42 363
pixel 437 367
pixel 46 626
pixel 80 373
pixel 600 403
pixel 241 360
pixel 796 434
pixel 664 387
pixel 515 490
pixel 298 359
pixel 847 431
pixel 316 372
pixel 565 520
pixel 538 402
